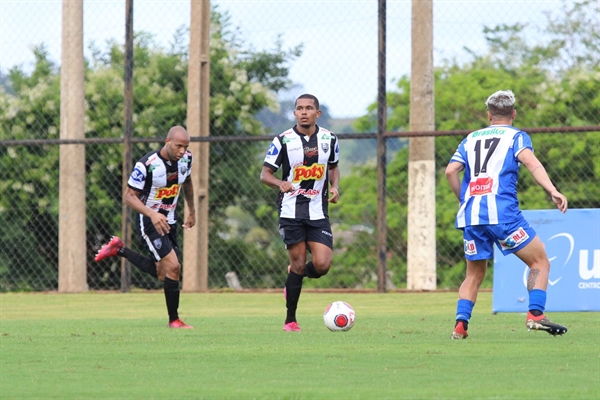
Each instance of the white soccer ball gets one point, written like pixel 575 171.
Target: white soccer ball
pixel 339 316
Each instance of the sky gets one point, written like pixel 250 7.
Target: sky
pixel 339 38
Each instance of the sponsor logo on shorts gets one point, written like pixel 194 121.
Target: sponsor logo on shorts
pixel 327 233
pixel 315 171
pixel 481 186
pixel 470 248
pixel 167 193
pixel 514 239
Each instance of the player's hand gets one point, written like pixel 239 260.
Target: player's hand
pixel 160 222
pixel 286 187
pixel 335 195
pixel 560 200
pixel 190 222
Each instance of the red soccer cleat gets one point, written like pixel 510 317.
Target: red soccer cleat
pixel 110 249
pixel 459 331
pixel 291 327
pixel 179 324
pixel 541 322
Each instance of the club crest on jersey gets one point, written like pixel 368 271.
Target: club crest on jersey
pixel 167 192
pixel 514 239
pixel 325 147
pixel 183 169
pixel 470 248
pixel 304 173
pixel 481 186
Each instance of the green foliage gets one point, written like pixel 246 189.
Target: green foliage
pixel 546 96
pixel 243 81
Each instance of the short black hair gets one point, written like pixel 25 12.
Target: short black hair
pixel 308 96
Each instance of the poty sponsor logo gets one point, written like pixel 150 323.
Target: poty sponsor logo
pixel 327 233
pixel 470 248
pixel 514 239
pixel 315 171
pixel 137 175
pixel 166 193
pixel 481 186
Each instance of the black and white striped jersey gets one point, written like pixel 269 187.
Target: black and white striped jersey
pixel 305 163
pixel 160 181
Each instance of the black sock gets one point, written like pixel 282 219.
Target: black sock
pixel 145 264
pixel 310 271
pixel 171 288
pixel 465 323
pixel 293 287
pixel 536 313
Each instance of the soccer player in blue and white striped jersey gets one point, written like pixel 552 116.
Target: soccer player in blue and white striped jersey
pixel 489 209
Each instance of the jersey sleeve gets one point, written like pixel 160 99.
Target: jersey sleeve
pixel 460 155
pixel 274 154
pixel 190 162
pixel 335 154
pixel 137 179
pixel 521 142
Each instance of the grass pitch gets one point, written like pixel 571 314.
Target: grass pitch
pixel 117 346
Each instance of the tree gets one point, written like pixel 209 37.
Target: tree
pixel 243 81
pixel 547 95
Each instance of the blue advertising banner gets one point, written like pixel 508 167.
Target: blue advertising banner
pixel 573 246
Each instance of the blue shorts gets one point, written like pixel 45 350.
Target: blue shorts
pixel 510 237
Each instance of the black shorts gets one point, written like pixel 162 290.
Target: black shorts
pixel 294 231
pixel 158 245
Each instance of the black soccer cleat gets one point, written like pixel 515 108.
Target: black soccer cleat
pixel 542 323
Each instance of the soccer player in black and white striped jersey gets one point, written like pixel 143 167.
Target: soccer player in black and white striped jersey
pixel 308 156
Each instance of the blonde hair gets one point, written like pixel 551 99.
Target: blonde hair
pixel 501 103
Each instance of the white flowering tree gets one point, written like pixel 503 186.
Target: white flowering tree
pixel 243 81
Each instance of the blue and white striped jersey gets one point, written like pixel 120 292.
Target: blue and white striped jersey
pixel 488 194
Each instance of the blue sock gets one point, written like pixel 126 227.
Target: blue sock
pixel 464 308
pixel 537 300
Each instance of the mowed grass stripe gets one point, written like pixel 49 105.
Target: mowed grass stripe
pixel 117 346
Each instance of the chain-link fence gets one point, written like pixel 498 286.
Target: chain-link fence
pixel 546 53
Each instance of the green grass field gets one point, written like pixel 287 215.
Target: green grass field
pixel 117 345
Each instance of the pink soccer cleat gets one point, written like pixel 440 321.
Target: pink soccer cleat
pixel 291 327
pixel 179 324
pixel 110 249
